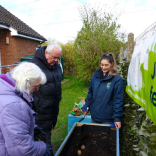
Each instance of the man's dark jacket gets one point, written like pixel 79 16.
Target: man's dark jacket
pixel 46 100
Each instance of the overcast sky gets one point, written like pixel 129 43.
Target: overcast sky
pixel 60 20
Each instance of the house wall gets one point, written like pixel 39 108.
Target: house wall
pixel 2 36
pixel 18 47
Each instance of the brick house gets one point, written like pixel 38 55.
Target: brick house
pixel 17 39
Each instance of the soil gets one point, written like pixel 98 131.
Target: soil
pixel 96 144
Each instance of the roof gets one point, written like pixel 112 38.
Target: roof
pixel 8 19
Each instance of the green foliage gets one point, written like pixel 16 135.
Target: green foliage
pixel 69 58
pixel 98 35
pixel 46 43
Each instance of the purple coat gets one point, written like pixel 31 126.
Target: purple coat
pixel 17 124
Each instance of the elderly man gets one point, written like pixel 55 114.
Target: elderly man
pixel 47 98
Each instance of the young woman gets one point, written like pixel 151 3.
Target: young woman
pixel 106 93
pixel 17 119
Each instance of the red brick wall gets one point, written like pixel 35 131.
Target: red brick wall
pixel 18 47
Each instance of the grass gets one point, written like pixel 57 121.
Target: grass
pixel 72 91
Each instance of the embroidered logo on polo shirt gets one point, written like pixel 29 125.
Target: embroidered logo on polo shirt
pixel 108 85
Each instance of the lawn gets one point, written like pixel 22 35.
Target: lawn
pixel 73 91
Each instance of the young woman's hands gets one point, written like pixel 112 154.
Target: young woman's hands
pixel 117 124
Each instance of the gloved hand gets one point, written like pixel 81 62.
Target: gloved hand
pixel 86 108
pixel 39 134
pixel 49 151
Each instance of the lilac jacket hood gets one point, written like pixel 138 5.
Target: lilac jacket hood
pixel 17 124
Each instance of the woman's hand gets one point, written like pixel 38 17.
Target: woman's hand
pixel 117 124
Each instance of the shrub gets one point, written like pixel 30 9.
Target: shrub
pixel 69 58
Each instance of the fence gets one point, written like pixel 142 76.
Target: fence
pixel 150 30
pixel 9 67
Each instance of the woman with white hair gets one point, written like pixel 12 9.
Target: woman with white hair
pixel 17 119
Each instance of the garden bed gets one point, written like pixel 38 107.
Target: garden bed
pixel 98 140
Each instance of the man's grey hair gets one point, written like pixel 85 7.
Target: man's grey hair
pixel 26 74
pixel 51 46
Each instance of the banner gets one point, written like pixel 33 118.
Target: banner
pixel 141 79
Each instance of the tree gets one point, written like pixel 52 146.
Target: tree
pixel 98 35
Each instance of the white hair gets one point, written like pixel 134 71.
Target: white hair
pixel 25 74
pixel 51 46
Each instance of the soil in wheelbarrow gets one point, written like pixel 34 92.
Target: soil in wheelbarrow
pixel 96 144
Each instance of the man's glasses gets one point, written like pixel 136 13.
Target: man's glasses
pixel 58 58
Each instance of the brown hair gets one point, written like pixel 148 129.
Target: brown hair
pixel 110 57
